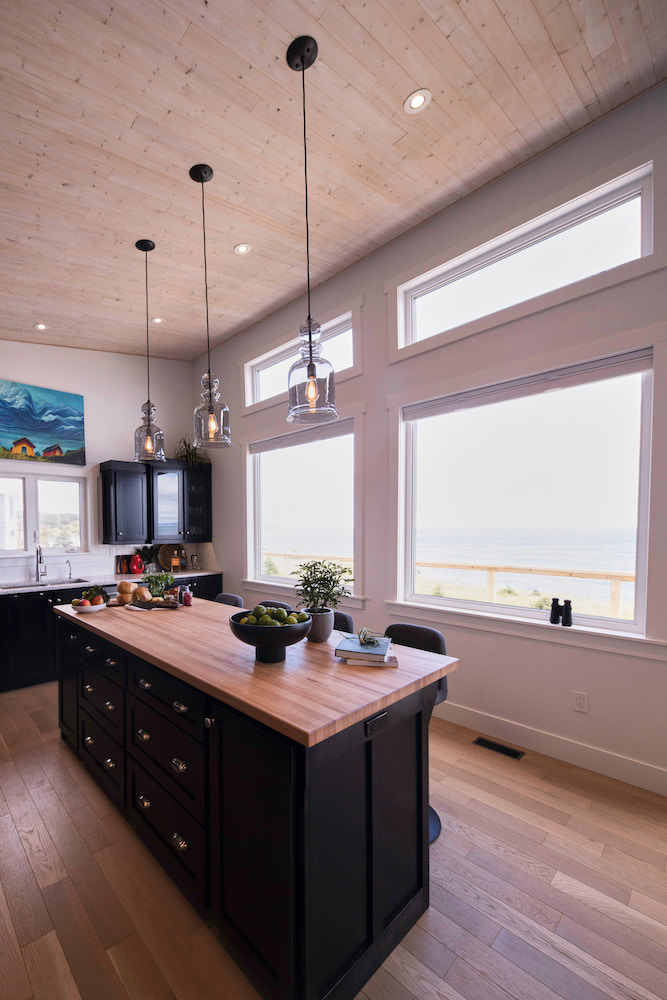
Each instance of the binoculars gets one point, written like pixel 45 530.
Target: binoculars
pixel 560 612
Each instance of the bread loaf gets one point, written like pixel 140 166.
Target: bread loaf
pixel 124 598
pixel 142 594
pixel 127 586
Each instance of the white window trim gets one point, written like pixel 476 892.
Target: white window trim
pixel 431 274
pixel 287 347
pixel 252 446
pixel 30 508
pixel 404 415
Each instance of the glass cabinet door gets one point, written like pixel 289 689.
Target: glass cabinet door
pixel 167 504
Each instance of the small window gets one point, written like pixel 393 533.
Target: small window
pixel 297 514
pixel 12 515
pixel 266 377
pixel 531 490
pixel 59 514
pixel 600 231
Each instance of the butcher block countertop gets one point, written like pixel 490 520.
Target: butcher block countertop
pixel 309 697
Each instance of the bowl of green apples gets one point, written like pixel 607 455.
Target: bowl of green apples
pixel 270 630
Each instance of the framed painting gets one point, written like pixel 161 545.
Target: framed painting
pixel 41 425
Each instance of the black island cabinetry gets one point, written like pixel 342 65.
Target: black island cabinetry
pixel 312 859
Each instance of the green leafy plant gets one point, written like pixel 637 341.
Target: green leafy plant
pixel 157 583
pixel 148 553
pixel 322 584
pixel 187 452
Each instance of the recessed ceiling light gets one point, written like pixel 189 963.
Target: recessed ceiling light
pixel 242 248
pixel 157 319
pixel 416 101
pixel 40 326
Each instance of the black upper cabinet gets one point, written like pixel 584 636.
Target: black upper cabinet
pixel 162 503
pixel 124 503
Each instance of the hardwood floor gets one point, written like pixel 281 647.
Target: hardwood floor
pixel 547 882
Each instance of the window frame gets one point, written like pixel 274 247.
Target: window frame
pixel 253 448
pixel 331 327
pixel 640 361
pixel 31 512
pixel 404 290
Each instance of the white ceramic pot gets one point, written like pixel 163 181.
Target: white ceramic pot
pixel 322 626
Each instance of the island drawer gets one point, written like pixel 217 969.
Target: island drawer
pixel 172 756
pixel 103 656
pixel 175 838
pixel 103 700
pixel 104 757
pixel 171 697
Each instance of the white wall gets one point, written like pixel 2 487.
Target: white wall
pixel 113 387
pixel 515 680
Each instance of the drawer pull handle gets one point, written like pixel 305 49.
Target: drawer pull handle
pixel 88 688
pixel 110 663
pixel 209 722
pixel 144 801
pixel 109 705
pixel 88 740
pixel 146 685
pixel 179 843
pixel 72 638
pixel 90 650
pixel 110 763
pixel 179 707
pixel 178 765
pixel 143 735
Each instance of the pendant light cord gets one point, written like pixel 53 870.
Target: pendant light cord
pixel 208 341
pixel 305 175
pixel 148 369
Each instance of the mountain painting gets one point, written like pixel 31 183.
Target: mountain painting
pixel 41 425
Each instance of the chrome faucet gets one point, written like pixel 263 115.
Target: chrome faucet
pixel 70 568
pixel 40 564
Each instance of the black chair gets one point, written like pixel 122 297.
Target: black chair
pixel 275 604
pixel 343 622
pixel 232 599
pixel 421 637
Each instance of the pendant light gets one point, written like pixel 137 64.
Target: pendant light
pixel 211 417
pixel 311 392
pixel 148 439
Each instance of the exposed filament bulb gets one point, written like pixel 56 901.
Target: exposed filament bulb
pixel 311 391
pixel 149 443
pixel 212 424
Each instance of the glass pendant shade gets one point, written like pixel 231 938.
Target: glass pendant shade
pixel 148 438
pixel 211 417
pixel 311 392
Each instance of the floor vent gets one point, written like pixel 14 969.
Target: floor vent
pixel 499 748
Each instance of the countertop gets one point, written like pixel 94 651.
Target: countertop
pixel 309 697
pixel 110 580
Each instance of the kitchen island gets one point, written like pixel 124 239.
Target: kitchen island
pixel 290 798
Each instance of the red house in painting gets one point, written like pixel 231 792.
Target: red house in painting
pixel 52 450
pixel 23 447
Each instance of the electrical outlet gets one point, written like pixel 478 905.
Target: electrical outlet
pixel 580 701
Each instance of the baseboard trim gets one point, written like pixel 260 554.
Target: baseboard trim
pixel 635 772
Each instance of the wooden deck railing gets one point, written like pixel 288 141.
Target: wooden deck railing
pixel 616 580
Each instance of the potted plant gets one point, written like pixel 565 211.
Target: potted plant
pixel 148 555
pixel 320 588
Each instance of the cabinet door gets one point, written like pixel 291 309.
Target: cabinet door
pixel 197 504
pixel 167 504
pixel 206 587
pixel 68 642
pixel 28 625
pixel 124 505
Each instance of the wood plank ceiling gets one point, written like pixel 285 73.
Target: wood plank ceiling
pixel 106 105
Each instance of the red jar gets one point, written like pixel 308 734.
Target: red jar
pixel 136 564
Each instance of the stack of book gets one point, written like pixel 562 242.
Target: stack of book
pixel 352 650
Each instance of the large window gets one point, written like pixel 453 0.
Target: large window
pixel 266 376
pixel 608 227
pixel 46 512
pixel 303 500
pixel 530 490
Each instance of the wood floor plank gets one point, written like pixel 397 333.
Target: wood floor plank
pixel 138 971
pixel 37 843
pixel 48 971
pixel 43 720
pixel 94 831
pixel 30 769
pixel 14 982
pixel 91 967
pixel 652 851
pixel 624 915
pixel 383 986
pixel 432 953
pixel 106 914
pixel 471 984
pixel 463 911
pixel 413 974
pixel 549 971
pixel 615 956
pixel 62 782
pixel 24 900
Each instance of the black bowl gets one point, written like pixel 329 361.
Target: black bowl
pixel 269 640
